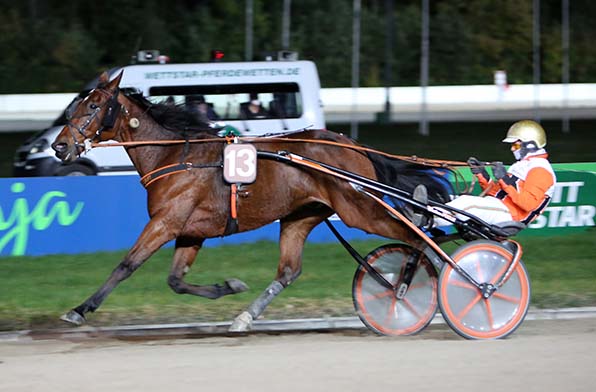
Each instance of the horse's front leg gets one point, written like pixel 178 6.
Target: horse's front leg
pixel 151 239
pixel 294 231
pixel 184 256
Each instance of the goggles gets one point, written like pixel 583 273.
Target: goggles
pixel 516 145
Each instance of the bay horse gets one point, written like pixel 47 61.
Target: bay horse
pixel 191 205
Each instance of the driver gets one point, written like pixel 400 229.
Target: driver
pixel 520 193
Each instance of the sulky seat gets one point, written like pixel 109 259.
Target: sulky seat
pixel 508 228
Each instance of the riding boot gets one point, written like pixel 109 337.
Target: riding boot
pixel 417 216
pixel 420 194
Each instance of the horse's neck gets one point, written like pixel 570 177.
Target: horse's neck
pixel 145 157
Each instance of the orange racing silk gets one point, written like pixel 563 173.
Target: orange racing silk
pixel 527 188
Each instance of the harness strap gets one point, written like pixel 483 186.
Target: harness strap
pixel 186 147
pixel 164 171
pixel 232 222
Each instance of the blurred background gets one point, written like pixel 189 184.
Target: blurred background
pixel 56 46
pixel 373 47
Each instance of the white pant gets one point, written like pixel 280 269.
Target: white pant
pixel 489 209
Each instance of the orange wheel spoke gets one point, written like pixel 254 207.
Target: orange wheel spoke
pixel 479 271
pixel 465 311
pixel 504 297
pixel 392 311
pixel 499 274
pixel 411 307
pixel 372 297
pixel 489 314
pixel 464 285
pixel 420 285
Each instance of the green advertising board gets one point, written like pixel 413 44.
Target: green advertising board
pixel 573 206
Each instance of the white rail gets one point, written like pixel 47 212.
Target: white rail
pixel 444 103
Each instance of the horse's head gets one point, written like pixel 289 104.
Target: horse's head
pixel 95 118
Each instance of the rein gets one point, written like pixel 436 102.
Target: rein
pixel 159 173
pixel 114 109
pixel 412 158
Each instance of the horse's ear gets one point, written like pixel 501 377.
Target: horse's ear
pixel 113 85
pixel 104 78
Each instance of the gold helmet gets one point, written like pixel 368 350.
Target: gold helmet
pixel 526 131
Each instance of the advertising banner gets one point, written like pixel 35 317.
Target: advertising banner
pixel 55 215
pixel 71 215
pixel 573 206
pixel 52 215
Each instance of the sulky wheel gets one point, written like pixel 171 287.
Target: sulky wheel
pixel 462 305
pixel 379 308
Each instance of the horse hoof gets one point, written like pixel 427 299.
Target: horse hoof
pixel 236 285
pixel 73 317
pixel 241 323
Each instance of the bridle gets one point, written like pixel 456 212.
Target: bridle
pixel 112 108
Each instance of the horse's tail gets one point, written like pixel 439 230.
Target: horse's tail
pixel 405 175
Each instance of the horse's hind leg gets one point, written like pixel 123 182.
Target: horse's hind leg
pixel 152 238
pixel 294 231
pixel 184 256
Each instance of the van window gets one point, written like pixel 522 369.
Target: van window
pixel 236 101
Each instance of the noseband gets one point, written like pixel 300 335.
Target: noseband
pixel 112 107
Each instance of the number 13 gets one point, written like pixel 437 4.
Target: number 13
pixel 240 163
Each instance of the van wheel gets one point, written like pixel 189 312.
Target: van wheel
pixel 75 169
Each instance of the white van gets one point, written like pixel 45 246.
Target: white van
pixel 256 98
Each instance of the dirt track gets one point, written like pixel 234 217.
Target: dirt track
pixel 541 356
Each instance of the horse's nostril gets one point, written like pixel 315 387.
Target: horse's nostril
pixel 59 147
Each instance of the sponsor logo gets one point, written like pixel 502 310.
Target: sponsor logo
pixel 223 73
pixel 17 221
pixel 566 215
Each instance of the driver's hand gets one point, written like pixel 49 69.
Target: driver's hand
pixel 477 168
pixel 499 170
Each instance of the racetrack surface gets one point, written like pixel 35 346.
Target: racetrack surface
pixel 540 356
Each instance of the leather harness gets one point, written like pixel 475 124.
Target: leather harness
pixel 154 175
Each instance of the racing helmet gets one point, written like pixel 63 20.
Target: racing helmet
pixel 526 131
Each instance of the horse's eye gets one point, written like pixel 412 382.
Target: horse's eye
pixel 93 106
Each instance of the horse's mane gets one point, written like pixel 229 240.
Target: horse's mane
pixel 175 118
pixel 407 175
